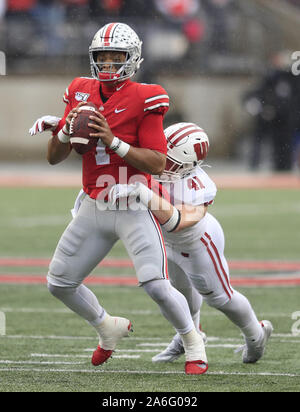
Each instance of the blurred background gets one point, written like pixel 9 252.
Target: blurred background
pixel 226 64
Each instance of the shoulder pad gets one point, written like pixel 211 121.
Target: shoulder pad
pixel 78 85
pixel 155 98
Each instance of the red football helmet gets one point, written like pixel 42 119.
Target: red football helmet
pixel 188 146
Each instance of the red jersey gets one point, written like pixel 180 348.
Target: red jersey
pixel 125 112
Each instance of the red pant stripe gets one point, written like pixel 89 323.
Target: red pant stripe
pixel 219 260
pixel 162 243
pixel 215 266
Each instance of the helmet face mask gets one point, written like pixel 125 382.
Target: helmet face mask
pixel 116 37
pixel 175 170
pixel 188 146
pixel 110 68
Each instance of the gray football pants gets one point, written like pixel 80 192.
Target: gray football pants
pixel 88 239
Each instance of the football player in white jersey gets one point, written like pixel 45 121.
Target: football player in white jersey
pixel 195 240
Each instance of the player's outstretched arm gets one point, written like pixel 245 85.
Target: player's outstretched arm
pixel 173 219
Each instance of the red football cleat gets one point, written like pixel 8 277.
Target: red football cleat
pixel 100 356
pixel 197 367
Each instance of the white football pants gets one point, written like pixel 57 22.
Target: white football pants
pixel 202 266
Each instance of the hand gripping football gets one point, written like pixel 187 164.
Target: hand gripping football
pixel 80 131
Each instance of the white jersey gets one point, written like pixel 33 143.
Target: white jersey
pixel 195 189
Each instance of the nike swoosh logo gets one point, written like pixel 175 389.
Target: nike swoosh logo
pixel 119 88
pixel 119 111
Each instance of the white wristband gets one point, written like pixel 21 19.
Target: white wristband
pixel 63 135
pixel 119 147
pixel 173 222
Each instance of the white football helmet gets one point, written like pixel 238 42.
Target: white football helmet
pixel 116 37
pixel 188 146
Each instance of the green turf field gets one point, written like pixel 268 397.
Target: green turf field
pixel 47 348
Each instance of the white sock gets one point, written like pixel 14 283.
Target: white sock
pixel 194 346
pixel 110 330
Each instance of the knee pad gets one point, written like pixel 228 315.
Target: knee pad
pixel 60 291
pixel 57 267
pixel 58 274
pixel 216 300
pixel 157 289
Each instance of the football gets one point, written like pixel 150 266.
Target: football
pixel 80 131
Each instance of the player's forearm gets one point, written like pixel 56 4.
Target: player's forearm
pixel 146 160
pixel 172 218
pixel 176 217
pixel 161 208
pixel 190 215
pixel 57 151
pixel 163 211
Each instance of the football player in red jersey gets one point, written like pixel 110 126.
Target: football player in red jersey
pixel 129 125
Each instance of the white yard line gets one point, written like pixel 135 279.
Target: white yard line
pixel 132 338
pixel 58 355
pixel 132 312
pixel 128 350
pixel 68 311
pixel 148 372
pixel 34 310
pixel 31 362
pixel 164 344
pixel 125 356
pixel 9 361
pixel 49 337
pixel 137 312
